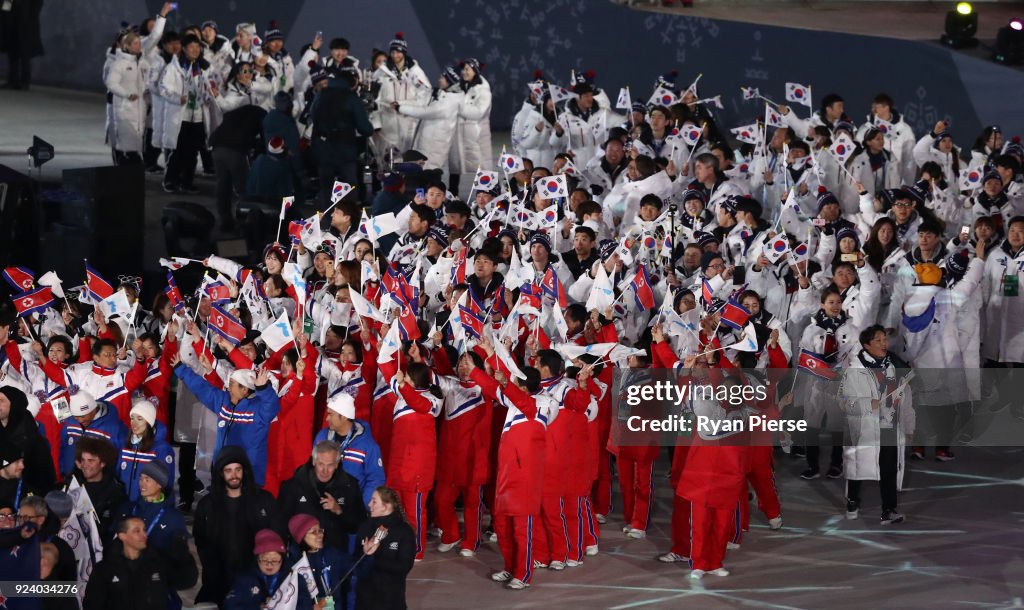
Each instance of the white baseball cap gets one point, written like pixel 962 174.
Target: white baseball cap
pixel 82 403
pixel 245 378
pixel 343 404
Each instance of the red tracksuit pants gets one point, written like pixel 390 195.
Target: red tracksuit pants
pixel 515 541
pixel 582 528
pixel 762 479
pixel 553 543
pixel 415 505
pixel 709 533
pixel 636 481
pixel 472 500
pixel 680 526
pixel 602 492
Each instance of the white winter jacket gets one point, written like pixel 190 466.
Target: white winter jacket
pixel 437 125
pixel 126 78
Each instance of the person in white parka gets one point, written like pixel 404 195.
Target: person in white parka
pixel 533 128
pixel 126 81
pixel 403 81
pixel 185 89
pixel 437 119
pixel 932 344
pixel 1003 327
pixel 471 149
pixel 878 407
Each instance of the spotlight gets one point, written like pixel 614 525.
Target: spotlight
pixel 1009 47
pixel 961 26
pixel 40 152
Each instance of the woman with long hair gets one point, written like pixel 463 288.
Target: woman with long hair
pixel 146 443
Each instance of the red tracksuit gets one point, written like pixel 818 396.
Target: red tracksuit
pixel 464 450
pixel 761 476
pixel 636 473
pixel 289 444
pixel 158 380
pixel 521 452
pixel 413 460
pixel 559 513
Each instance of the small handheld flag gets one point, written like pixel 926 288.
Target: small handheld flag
pixel 552 187
pixel 623 102
pixel 32 302
pixel 643 294
pixel 20 278
pixel 226 325
pixel 339 190
pixel 797 93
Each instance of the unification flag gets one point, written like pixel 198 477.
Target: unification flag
pixel 278 335
pixel 115 305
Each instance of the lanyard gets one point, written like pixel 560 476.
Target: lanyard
pixel 17 496
pixel 156 519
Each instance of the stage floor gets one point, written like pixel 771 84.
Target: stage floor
pixel 962 546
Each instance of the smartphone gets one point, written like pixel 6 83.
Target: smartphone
pixel 320 35
pixel 421 194
pixel 848 258
pixel 739 275
pixel 965 230
pixel 819 222
pixel 174 6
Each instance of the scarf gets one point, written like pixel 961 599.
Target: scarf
pixel 877 160
pixel 830 325
pixel 880 366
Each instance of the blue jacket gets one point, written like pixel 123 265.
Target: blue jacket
pixel 328 566
pixel 278 123
pixel 245 424
pixel 360 456
pixel 132 460
pixel 164 522
pixel 252 589
pixel 107 426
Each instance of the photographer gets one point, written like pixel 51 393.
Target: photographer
pixel 338 114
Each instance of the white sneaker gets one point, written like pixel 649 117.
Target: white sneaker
pixel 636 534
pixel 493 537
pixel 732 546
pixel 538 565
pixel 696 574
pixel 719 572
pixel 444 548
pixel 435 532
pixel 467 553
pixel 572 563
pixel 557 566
pixel 601 519
pixel 502 576
pixel 517 584
pixel 626 528
pixel 591 550
pixel 671 557
pixel 776 523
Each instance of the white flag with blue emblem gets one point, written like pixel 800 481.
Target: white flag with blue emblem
pixel 278 335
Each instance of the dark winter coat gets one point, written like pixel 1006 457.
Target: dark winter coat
pixel 20 29
pixel 23 432
pixel 381 576
pixel 118 583
pixel 302 493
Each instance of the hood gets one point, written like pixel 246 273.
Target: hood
pixel 19 406
pixel 232 454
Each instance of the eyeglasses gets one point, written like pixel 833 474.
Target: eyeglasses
pixel 270 562
pixel 717 266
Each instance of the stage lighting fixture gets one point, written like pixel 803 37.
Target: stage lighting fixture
pixel 961 26
pixel 40 152
pixel 1009 47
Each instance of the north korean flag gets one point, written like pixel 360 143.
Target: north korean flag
pixel 35 301
pixel 20 278
pixel 735 315
pixel 815 365
pixel 706 293
pixel 472 315
pixel 459 268
pixel 295 228
pixel 408 325
pixel 642 292
pixel 552 286
pixel 226 325
pixel 530 295
pixel 218 292
pixel 99 288
pixel 174 293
